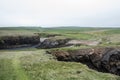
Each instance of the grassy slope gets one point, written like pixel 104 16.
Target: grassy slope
pixel 36 65
pixel 14 31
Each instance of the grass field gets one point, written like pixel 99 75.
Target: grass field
pixel 35 64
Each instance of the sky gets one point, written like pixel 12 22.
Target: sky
pixel 50 13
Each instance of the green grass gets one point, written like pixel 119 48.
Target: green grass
pixel 36 65
pixel 72 29
pixel 82 33
pixel 113 31
pixel 18 70
pixel 53 70
pixel 81 36
pixel 15 31
pixel 7 70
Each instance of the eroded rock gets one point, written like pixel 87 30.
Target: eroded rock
pixel 53 43
pixel 100 59
pixel 18 41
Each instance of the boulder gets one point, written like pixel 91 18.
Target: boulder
pixel 52 43
pixel 111 61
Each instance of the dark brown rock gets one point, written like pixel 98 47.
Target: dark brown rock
pixel 13 41
pixel 100 59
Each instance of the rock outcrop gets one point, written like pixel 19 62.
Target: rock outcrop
pixel 18 41
pixel 52 43
pixel 100 59
pixel 36 41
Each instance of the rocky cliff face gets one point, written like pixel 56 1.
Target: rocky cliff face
pixel 14 41
pixel 37 41
pixel 100 59
pixel 52 43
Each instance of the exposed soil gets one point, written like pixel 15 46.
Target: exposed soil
pixel 81 42
pixel 101 59
pixel 18 41
pixel 41 42
pixel 10 42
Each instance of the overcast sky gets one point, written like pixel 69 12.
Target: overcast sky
pixel 60 13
